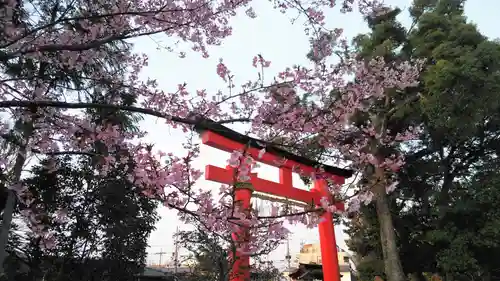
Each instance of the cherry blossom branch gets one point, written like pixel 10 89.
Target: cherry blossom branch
pixel 70 105
pixel 97 16
pixel 126 34
pixel 84 105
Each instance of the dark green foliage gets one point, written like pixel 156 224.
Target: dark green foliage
pixel 364 242
pixel 109 224
pixel 469 239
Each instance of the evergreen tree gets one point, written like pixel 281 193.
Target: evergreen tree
pixel 459 112
pixel 105 229
pixel 110 219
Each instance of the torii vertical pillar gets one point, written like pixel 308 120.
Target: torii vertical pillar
pixel 240 269
pixel 329 255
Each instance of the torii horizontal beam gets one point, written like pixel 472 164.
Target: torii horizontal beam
pixel 217 141
pixel 224 176
pixel 213 134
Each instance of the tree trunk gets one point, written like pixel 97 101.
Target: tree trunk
pixel 392 262
pixel 11 198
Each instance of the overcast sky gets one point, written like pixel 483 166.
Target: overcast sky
pixel 272 35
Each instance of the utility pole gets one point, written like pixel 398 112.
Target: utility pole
pixel 160 253
pixel 176 251
pixel 288 257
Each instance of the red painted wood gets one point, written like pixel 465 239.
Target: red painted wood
pixel 225 176
pixel 286 177
pixel 329 254
pixel 241 263
pixel 214 140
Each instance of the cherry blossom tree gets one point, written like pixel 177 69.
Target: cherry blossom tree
pixel 54 54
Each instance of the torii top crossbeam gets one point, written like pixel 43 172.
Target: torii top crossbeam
pixel 223 138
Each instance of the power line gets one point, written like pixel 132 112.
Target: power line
pixel 160 253
pixel 160 245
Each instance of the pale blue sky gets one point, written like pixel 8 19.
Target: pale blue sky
pixel 273 36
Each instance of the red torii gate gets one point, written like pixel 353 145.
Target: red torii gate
pixel 225 139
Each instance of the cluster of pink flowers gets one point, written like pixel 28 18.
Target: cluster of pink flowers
pixel 259 60
pixel 221 217
pixel 35 219
pixel 244 164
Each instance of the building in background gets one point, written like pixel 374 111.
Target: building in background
pixel 309 260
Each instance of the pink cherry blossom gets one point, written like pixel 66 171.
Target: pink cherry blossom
pixel 390 188
pixel 261 153
pixel 222 70
pixel 48 241
pixel 234 159
pixel 61 216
